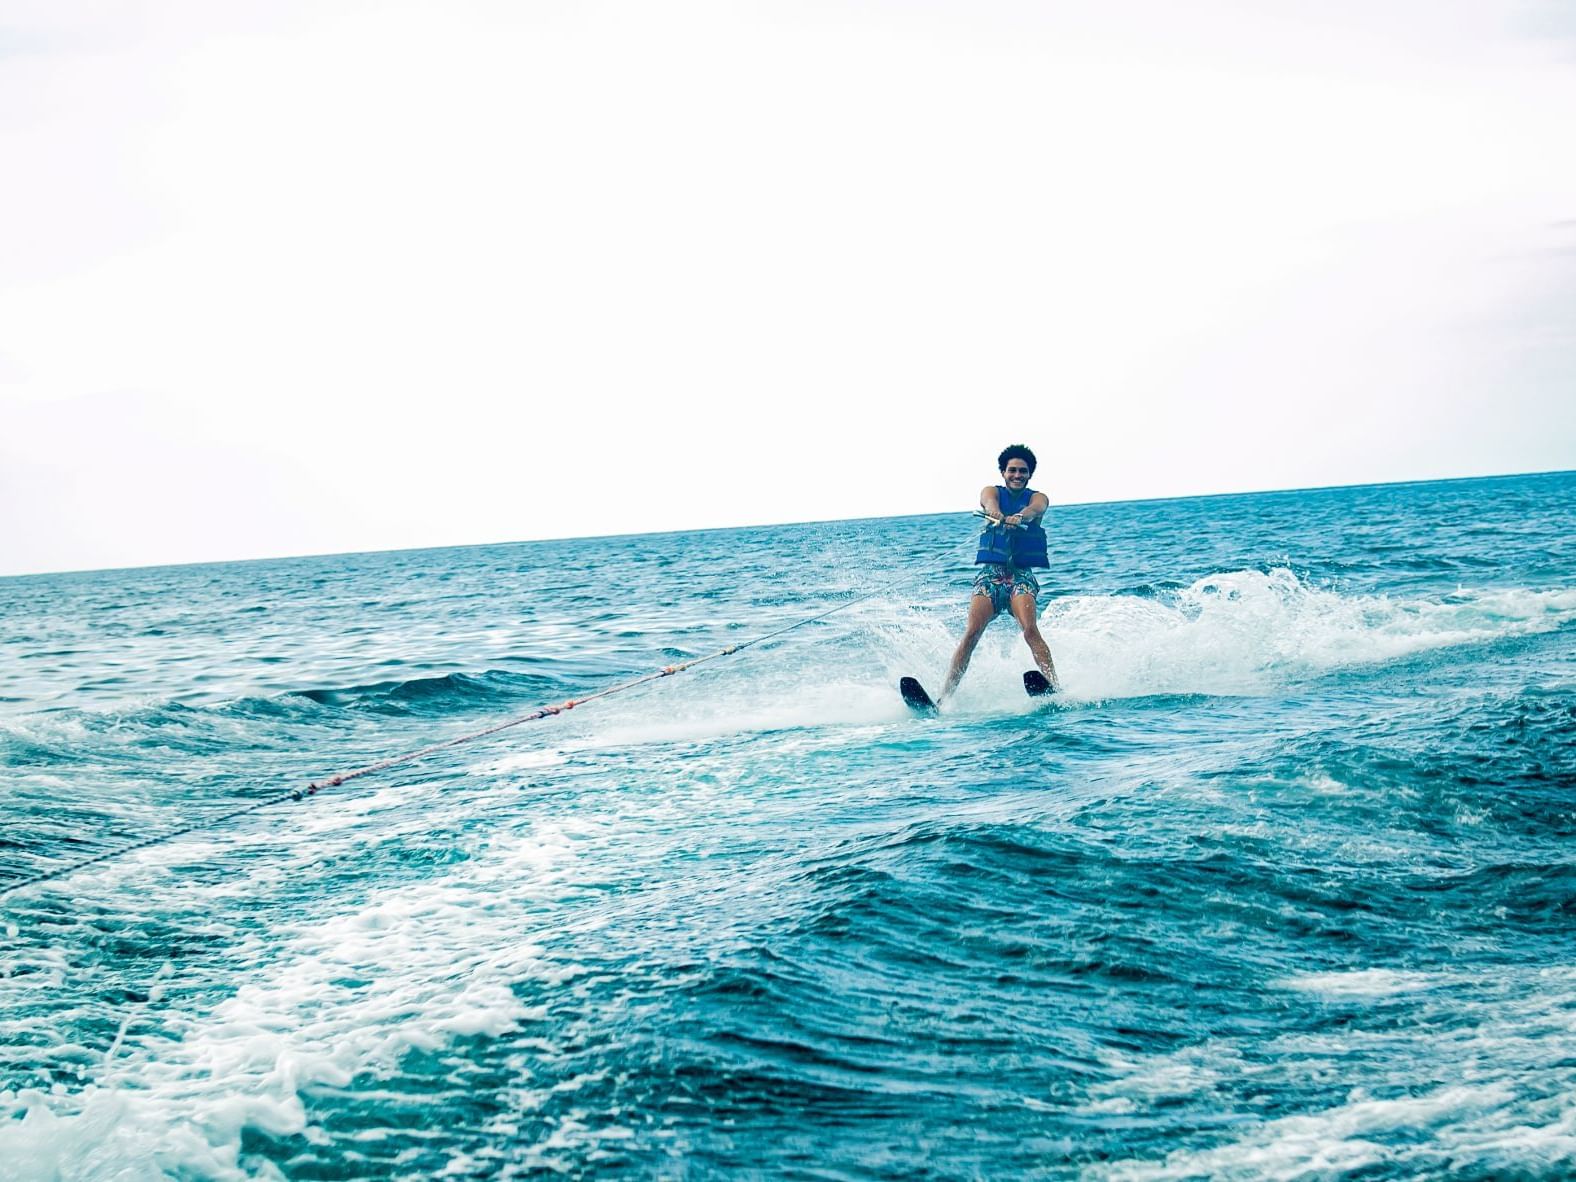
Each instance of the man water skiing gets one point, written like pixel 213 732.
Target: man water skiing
pixel 1011 546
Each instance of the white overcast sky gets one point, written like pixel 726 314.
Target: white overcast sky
pixel 284 278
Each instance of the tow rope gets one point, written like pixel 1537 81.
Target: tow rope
pixel 316 786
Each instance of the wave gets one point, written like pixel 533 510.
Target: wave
pixel 1247 632
pixel 1250 631
pixel 435 695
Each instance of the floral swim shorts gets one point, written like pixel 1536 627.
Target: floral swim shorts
pixel 999 583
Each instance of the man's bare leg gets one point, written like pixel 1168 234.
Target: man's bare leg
pixel 1024 610
pixel 981 613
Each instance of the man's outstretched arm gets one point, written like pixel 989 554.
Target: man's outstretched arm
pixel 989 503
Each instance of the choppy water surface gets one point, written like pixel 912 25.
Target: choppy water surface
pixel 1282 887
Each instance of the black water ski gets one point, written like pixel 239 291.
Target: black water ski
pixel 914 694
pixel 1035 685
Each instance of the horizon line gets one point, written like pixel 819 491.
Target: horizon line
pixel 657 533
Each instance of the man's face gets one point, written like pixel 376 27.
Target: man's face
pixel 1015 475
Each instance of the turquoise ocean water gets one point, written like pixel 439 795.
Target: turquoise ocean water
pixel 1284 885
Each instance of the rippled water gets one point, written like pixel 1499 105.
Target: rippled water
pixel 1282 887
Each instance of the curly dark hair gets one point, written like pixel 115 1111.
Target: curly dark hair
pixel 1017 451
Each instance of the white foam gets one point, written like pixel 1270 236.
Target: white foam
pixel 1360 983
pixel 709 715
pixel 1325 784
pixel 523 761
pixel 1504 1039
pixel 324 1002
pixel 1337 1140
pixel 1191 1072
pixel 1236 632
pixel 1251 631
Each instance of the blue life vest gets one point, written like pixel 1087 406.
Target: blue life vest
pixel 1021 546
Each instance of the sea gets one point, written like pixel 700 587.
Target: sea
pixel 1281 885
